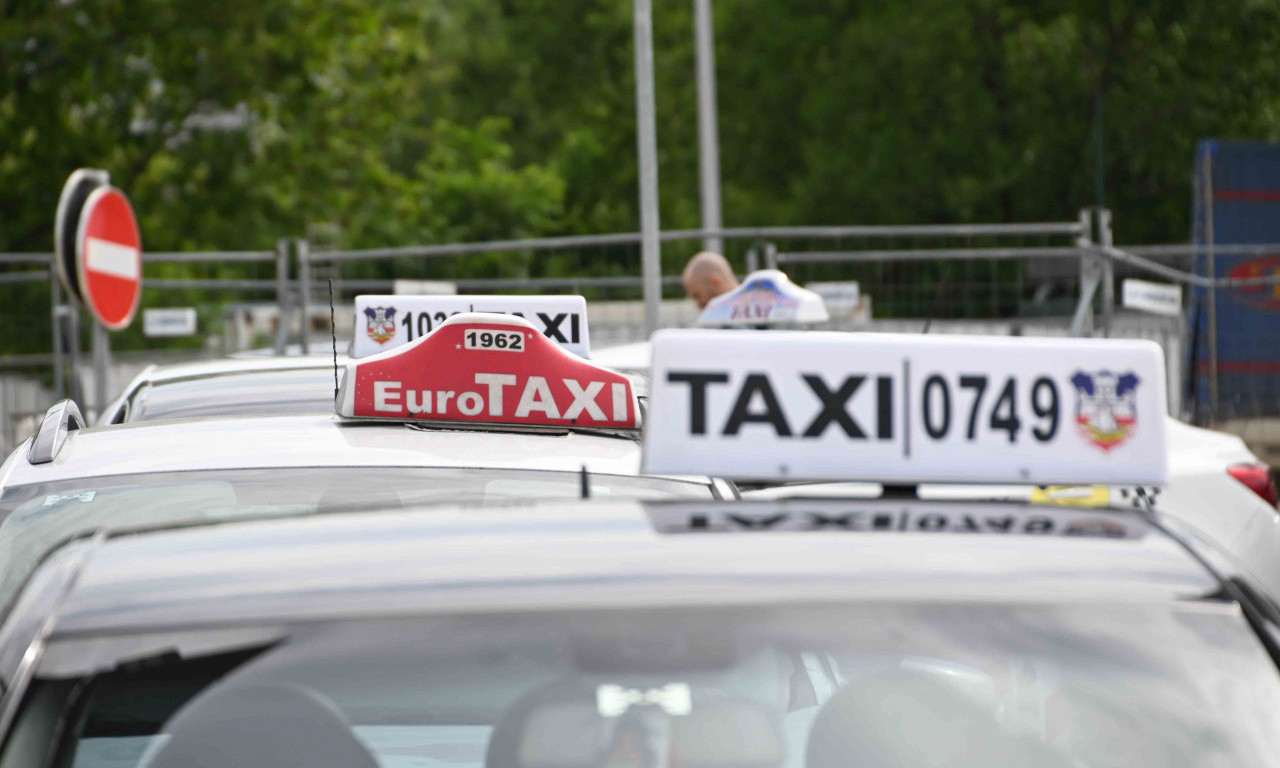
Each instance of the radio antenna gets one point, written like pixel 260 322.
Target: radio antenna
pixel 333 335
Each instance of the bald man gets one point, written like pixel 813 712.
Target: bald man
pixel 708 275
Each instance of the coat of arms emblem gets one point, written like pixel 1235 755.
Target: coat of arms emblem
pixel 381 323
pixel 1106 407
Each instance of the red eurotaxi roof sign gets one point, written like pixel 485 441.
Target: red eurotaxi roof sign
pixel 487 369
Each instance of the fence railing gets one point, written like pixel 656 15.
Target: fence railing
pixel 932 273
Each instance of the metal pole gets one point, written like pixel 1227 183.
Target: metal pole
pixel 101 345
pixel 304 291
pixel 647 140
pixel 1090 274
pixel 6 412
pixel 770 256
pixel 1108 272
pixel 282 296
pixel 708 134
pixel 55 324
pixel 1082 320
pixel 74 389
pixel 1099 152
pixel 1211 270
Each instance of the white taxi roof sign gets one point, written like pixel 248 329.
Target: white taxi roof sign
pixel 385 322
pixel 788 405
pixel 477 368
pixel 766 297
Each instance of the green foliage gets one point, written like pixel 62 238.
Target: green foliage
pixel 426 121
pixel 941 111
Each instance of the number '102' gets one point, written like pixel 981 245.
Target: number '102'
pixel 975 402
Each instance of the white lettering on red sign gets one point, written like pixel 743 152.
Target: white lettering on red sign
pixel 441 377
pixel 391 398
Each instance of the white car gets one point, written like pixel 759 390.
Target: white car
pixel 886 632
pixel 226 387
pixel 69 479
pixel 1216 486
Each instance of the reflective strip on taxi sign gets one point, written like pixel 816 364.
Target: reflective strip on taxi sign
pixel 1084 496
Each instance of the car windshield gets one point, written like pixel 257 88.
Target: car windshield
pixel 249 393
pixel 819 686
pixel 34 518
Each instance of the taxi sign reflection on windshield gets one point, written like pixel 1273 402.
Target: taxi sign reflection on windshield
pixel 387 322
pixel 487 368
pixel 882 517
pixel 786 405
pixel 766 297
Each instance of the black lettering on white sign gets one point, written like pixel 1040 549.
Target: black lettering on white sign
pixel 551 323
pixel 968 407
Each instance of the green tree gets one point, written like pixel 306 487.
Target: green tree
pixel 232 124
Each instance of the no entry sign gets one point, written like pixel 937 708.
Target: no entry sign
pixel 109 258
pixel 99 248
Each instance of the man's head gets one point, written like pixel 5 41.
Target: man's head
pixel 708 275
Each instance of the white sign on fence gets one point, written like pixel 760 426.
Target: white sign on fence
pixel 169 321
pixel 845 300
pixel 423 288
pixel 1159 298
pixel 845 292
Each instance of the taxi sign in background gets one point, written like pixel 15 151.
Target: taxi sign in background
pixel 492 369
pixel 766 297
pixel 778 405
pixel 387 322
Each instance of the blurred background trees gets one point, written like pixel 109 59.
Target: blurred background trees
pixel 414 121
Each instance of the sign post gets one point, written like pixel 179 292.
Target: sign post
pixel 647 154
pixel 99 260
pixel 708 133
pixel 101 366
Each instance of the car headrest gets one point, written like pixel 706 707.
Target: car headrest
pixel 260 726
pixel 341 497
pixel 563 726
pixel 911 718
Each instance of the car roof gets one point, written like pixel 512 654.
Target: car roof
pixel 553 556
pixel 159 374
pixel 240 386
pixel 316 440
pixel 243 393
pixel 182 385
pixel 633 358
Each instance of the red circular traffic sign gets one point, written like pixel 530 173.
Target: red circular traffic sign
pixel 109 258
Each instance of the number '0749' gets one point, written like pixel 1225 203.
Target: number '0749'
pixel 975 402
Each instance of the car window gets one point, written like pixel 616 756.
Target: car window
pixel 36 517
pixel 253 393
pixel 764 687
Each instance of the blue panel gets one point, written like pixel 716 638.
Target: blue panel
pixel 1246 209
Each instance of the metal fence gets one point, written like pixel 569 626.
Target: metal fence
pixel 1043 278
pixel 607 268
